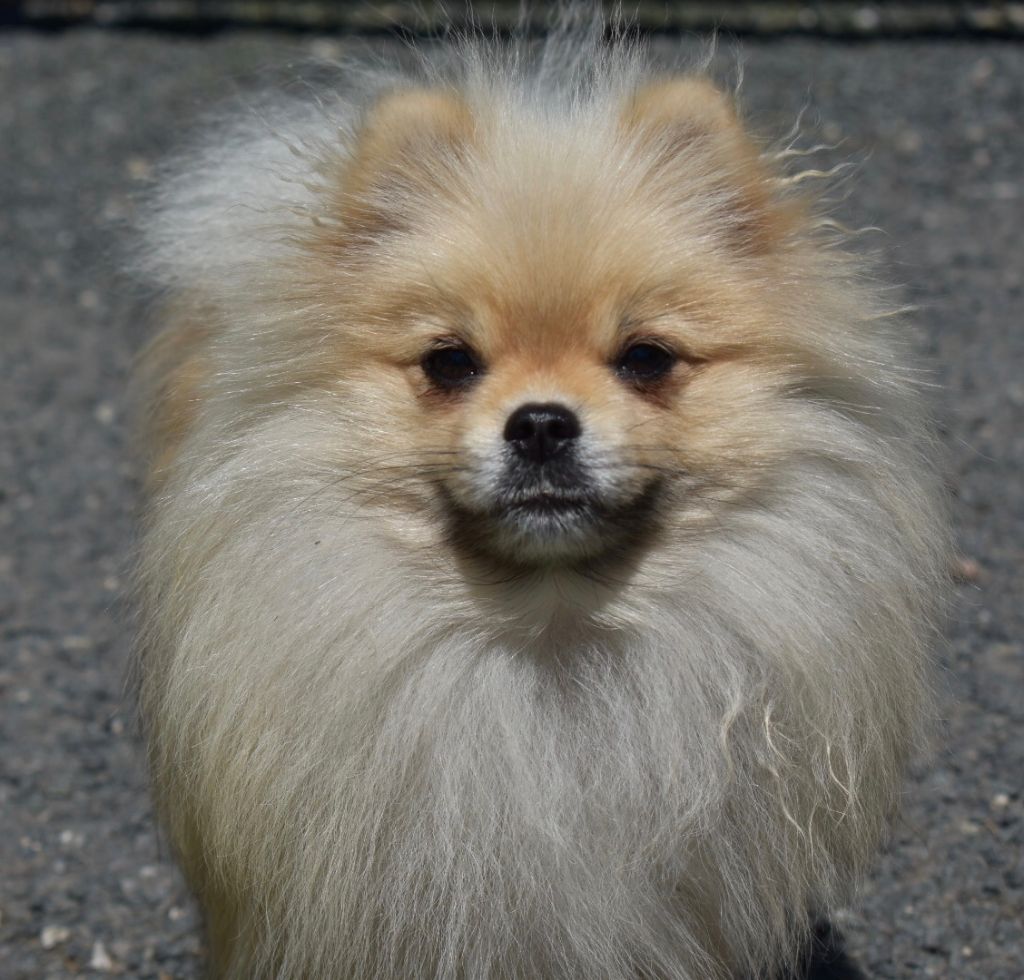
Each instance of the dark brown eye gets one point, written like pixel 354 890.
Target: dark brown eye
pixel 451 367
pixel 644 362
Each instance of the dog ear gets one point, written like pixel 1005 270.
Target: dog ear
pixel 685 129
pixel 405 151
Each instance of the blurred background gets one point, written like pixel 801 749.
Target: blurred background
pixel 837 19
pixel 927 99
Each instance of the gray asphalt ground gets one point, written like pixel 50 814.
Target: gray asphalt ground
pixel 86 888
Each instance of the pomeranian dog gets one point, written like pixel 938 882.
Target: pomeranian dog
pixel 543 539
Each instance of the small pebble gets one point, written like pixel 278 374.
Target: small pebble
pixel 909 142
pixel 138 168
pixel 866 19
pixel 74 641
pixel 967 570
pixel 982 71
pixel 53 936
pixel 325 49
pixel 71 838
pixel 100 959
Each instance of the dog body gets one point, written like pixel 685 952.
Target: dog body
pixel 543 543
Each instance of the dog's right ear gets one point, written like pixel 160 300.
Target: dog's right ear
pixel 405 151
pixel 686 124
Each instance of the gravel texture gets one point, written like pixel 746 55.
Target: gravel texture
pixel 86 888
pixel 837 18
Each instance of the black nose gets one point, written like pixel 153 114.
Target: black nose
pixel 540 432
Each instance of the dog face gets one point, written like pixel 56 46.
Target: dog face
pixel 565 350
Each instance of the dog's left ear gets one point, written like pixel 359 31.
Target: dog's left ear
pixel 405 147
pixel 686 129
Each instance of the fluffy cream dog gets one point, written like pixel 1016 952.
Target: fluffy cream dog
pixel 543 544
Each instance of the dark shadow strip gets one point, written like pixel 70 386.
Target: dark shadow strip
pixel 839 20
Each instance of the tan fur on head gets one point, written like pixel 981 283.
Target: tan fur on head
pixel 393 734
pixel 403 141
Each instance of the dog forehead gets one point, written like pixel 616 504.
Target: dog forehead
pixel 551 331
pixel 550 281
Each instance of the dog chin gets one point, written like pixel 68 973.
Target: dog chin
pixel 553 529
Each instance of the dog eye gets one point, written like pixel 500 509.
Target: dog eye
pixel 451 367
pixel 644 361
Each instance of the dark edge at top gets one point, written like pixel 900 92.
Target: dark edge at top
pixel 837 19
